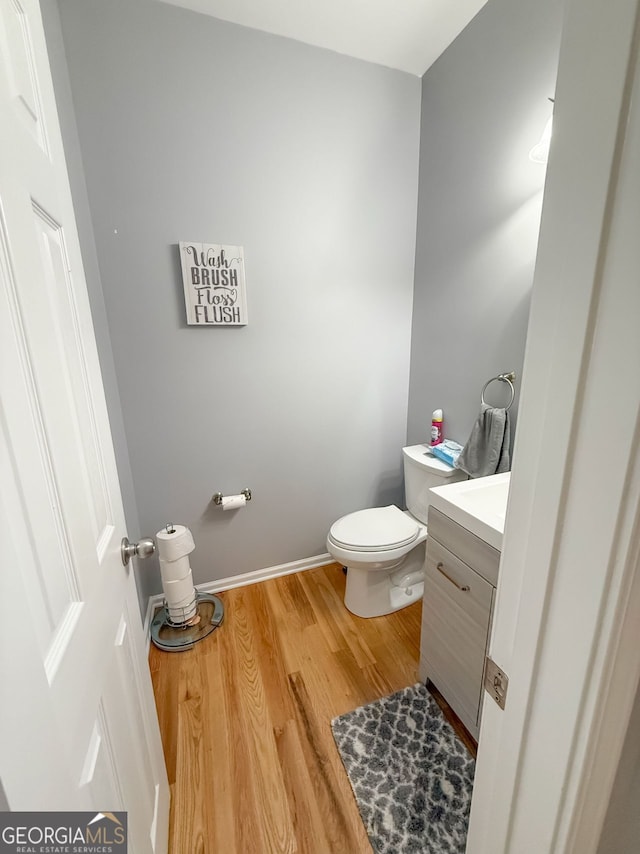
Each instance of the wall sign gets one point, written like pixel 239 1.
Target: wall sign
pixel 214 285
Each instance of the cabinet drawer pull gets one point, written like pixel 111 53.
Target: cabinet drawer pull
pixel 463 587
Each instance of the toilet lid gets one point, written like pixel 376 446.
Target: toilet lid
pixel 377 529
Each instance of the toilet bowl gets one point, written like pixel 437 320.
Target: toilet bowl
pixel 383 548
pixel 374 544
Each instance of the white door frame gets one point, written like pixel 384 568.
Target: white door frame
pixel 566 623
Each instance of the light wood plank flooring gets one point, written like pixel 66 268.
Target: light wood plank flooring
pixel 245 716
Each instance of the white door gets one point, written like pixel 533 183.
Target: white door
pixel 568 605
pixel 78 728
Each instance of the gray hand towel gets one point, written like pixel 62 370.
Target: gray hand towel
pixel 487 450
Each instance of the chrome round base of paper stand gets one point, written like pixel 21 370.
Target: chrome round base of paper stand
pixel 172 637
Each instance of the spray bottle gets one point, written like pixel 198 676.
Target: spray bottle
pixel 436 427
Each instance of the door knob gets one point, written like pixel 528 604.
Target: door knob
pixel 143 548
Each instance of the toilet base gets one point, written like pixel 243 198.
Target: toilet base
pixel 371 593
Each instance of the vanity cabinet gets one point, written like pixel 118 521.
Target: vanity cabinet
pixel 460 579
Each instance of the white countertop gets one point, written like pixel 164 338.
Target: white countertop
pixel 478 505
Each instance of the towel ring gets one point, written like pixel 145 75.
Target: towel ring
pixel 503 378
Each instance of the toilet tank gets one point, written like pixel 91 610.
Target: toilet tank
pixel 422 471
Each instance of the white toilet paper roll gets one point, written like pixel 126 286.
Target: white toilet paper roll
pixel 174 570
pixel 233 502
pixel 181 599
pixel 175 592
pixel 175 543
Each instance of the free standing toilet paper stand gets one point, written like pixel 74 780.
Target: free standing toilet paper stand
pixel 173 635
pixel 173 628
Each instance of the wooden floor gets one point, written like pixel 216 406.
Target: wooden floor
pixel 245 716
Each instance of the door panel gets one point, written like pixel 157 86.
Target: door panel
pixel 71 639
pixel 20 67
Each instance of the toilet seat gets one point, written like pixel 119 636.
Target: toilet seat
pixel 377 529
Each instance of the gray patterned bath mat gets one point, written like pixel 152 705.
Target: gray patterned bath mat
pixel 411 775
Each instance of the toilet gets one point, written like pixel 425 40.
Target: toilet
pixel 383 548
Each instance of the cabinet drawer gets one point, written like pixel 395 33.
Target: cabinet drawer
pixel 455 623
pixel 469 548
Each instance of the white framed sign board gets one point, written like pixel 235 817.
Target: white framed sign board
pixel 214 284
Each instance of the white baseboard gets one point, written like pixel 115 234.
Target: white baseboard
pixel 265 574
pixel 243 580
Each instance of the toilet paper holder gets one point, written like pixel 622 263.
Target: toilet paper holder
pixel 218 496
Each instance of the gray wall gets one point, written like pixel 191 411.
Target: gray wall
pixel 484 105
pixel 73 154
pixel 195 129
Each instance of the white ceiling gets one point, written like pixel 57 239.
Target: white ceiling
pixel 405 34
